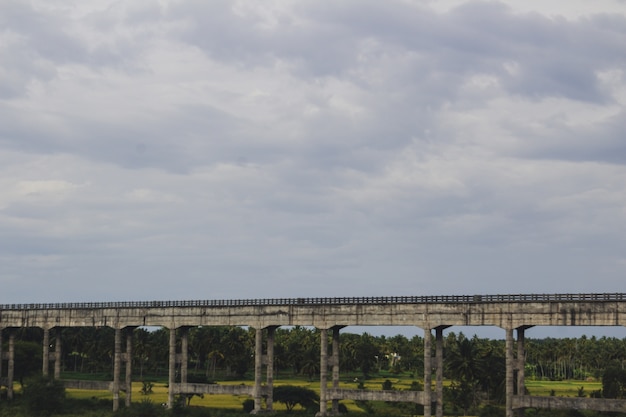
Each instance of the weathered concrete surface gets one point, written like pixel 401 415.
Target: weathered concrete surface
pixel 428 312
pixel 575 403
pixel 88 385
pixel 424 315
pixel 189 388
pixel 369 395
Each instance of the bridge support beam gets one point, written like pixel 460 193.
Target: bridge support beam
pixel 128 357
pixel 117 363
pixel 515 363
pixel 1 355
pixel 58 348
pixel 269 400
pixel 325 363
pixel 45 366
pixel 521 365
pixel 11 364
pixel 184 354
pixel 258 370
pixel 323 372
pixel 259 360
pixel 428 372
pixel 335 365
pixel 509 387
pixel 172 368
pixel 439 370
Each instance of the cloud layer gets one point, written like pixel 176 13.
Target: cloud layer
pixel 229 149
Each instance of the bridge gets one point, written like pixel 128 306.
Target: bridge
pixel 514 313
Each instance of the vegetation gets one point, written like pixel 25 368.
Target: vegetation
pixel 44 396
pixel 614 382
pixel 474 370
pixel 292 395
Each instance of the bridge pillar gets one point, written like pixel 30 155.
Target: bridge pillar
pixel 58 347
pixel 323 372
pixel 129 365
pixel 1 355
pixel 172 368
pixel 521 364
pixel 428 373
pixel 258 369
pixel 45 366
pixel 117 362
pixel 439 369
pixel 269 401
pixel 515 363
pixel 335 364
pixel 184 354
pixel 510 369
pixel 11 364
pixel 259 361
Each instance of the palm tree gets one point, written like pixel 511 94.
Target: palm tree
pixel 465 361
pixel 212 358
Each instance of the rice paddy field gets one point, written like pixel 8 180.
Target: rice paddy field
pixel 159 393
pixel 562 388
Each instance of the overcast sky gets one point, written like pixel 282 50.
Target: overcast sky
pixel 245 149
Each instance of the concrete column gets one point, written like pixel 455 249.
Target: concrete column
pixel 323 371
pixel 269 402
pixel 11 365
pixel 45 368
pixel 58 349
pixel 335 362
pixel 117 364
pixel 172 368
pixel 510 365
pixel 439 371
pixel 521 363
pixel 1 354
pixel 428 373
pixel 129 366
pixel 258 370
pixel 184 354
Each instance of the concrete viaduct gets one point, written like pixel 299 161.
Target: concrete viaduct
pixel 513 313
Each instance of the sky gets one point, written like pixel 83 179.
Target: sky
pixel 182 150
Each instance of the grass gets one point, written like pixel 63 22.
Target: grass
pixel 159 394
pixel 234 403
pixel 561 388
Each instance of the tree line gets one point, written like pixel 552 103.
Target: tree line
pixel 228 352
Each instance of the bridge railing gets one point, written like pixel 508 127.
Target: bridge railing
pixel 419 299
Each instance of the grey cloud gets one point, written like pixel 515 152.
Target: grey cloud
pixel 596 143
pixel 43 34
pixel 367 147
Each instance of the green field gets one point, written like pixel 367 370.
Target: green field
pixel 96 403
pixel 235 402
pixel 562 388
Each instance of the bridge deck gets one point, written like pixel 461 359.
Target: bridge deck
pixel 506 311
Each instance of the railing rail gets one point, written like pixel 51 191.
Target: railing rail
pixel 419 299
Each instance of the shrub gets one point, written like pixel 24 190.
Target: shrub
pixel 146 387
pixel 491 411
pixel 614 382
pixel 145 408
pixel 44 396
pixel 387 385
pixel 248 405
pixel 292 395
pixel 416 386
